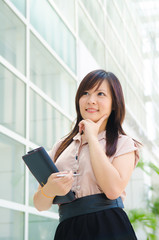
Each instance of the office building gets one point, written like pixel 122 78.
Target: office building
pixel 46 48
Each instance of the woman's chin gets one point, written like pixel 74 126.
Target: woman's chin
pixel 94 119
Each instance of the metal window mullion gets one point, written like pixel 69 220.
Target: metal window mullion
pixel 12 69
pixel 132 18
pixel 16 11
pixel 12 134
pixel 55 8
pixel 50 49
pixel 121 70
pixel 29 85
pixel 27 118
pixel 49 100
pixel 77 40
pixel 117 35
pixel 26 22
pixel 126 52
pixel 91 22
pixel 105 50
pixel 127 29
pixel 22 208
pixel 101 5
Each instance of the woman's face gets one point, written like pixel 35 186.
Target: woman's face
pixel 96 103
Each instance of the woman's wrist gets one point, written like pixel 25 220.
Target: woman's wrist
pixel 52 197
pixel 93 139
pixel 45 192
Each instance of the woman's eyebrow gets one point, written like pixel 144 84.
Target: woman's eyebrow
pixel 100 90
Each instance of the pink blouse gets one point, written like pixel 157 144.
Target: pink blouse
pixel 76 158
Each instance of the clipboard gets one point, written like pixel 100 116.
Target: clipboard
pixel 41 166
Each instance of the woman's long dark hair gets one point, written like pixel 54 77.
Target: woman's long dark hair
pixel 116 118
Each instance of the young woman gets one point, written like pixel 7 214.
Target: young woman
pixel 103 156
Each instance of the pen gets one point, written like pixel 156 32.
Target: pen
pixel 64 174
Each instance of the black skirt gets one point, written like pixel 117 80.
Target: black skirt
pixel 109 224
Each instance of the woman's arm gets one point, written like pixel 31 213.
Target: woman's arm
pixel 55 186
pixel 42 203
pixel 111 177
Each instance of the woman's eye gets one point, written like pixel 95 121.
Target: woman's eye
pixel 85 93
pixel 101 94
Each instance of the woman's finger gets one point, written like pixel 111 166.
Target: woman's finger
pixel 81 127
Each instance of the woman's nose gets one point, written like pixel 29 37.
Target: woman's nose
pixel 91 99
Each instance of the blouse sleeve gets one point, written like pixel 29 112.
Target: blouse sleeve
pixel 125 145
pixel 55 147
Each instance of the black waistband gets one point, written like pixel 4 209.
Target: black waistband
pixel 88 204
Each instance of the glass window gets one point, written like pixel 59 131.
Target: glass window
pixel 51 77
pixel 112 65
pixel 120 4
pixel 134 79
pixel 12 38
pixel 130 85
pixel 54 31
pixel 103 2
pixel 20 4
pixel 11 170
pixel 91 39
pixel 135 105
pixel 133 53
pixel 12 101
pixel 116 20
pixel 47 125
pixel 94 9
pixel 33 186
pixel 11 224
pixel 41 228
pixel 67 8
pixel 133 23
pixel 115 45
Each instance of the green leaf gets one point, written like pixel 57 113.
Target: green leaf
pixel 153 167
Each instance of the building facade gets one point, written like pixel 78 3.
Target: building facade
pixel 46 48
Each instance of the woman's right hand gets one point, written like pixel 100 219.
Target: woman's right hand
pixel 58 185
pixel 55 186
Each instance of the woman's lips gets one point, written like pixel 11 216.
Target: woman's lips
pixel 91 110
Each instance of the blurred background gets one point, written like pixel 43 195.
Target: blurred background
pixel 46 48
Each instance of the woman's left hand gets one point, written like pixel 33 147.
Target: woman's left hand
pixel 90 128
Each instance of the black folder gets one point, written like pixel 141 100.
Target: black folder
pixel 41 166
